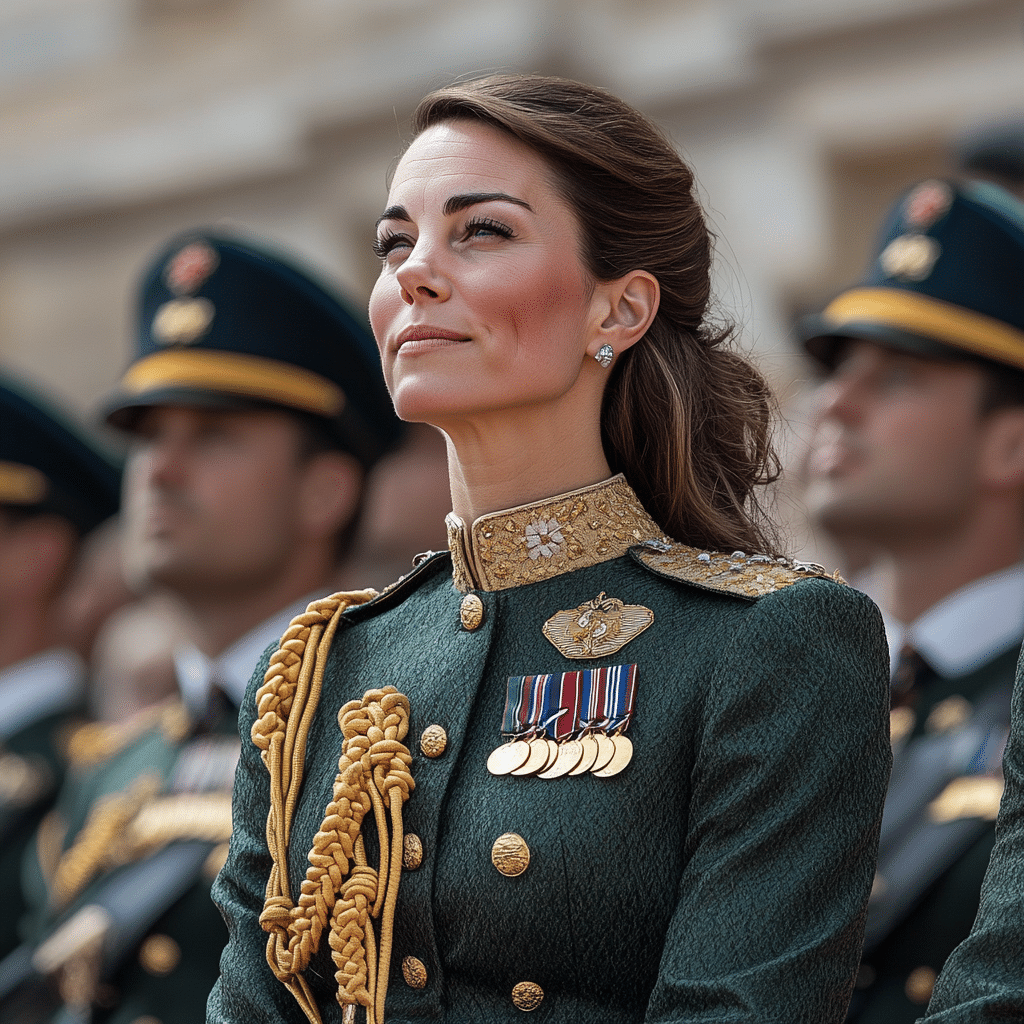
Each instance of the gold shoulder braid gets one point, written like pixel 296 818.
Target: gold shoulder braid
pixel 340 888
pixel 738 573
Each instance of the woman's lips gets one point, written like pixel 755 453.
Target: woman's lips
pixel 423 337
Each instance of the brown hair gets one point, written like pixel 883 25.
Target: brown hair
pixel 685 418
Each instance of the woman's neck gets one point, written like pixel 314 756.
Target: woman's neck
pixel 509 461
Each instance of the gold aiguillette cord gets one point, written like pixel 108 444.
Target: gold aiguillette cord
pixel 340 892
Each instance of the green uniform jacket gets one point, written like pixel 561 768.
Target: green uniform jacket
pixel 983 979
pixel 136 800
pixel 931 870
pixel 722 876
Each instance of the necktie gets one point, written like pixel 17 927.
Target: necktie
pixel 912 674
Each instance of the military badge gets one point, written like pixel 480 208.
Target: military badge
pixel 182 321
pixel 597 628
pixel 567 724
pixel 910 257
pixel 190 267
pixel 929 202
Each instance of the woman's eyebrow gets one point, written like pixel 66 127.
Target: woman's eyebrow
pixel 456 203
pixel 393 213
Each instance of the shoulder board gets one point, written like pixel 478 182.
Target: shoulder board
pixel 739 574
pixel 96 742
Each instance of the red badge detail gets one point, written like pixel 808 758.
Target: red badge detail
pixel 190 267
pixel 927 203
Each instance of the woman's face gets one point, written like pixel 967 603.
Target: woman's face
pixel 482 304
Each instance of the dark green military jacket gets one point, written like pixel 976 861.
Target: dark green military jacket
pixel 32 762
pixel 983 980
pixel 937 834
pixel 140 830
pixel 721 876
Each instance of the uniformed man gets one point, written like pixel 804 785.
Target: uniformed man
pixel 918 453
pixel 56 486
pixel 983 980
pixel 254 407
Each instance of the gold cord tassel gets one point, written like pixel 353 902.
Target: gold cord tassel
pixel 340 892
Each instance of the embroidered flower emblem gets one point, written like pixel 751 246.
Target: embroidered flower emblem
pixel 544 537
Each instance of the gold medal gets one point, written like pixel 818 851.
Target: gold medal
pixel 622 756
pixel 553 749
pixel 569 754
pixel 507 757
pixel 605 751
pixel 589 756
pixel 540 753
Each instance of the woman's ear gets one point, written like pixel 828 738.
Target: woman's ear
pixel 627 307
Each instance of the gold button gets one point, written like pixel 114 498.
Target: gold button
pixel 471 612
pixel 433 741
pixel 527 996
pixel 414 972
pixel 920 982
pixel 412 852
pixel 510 854
pixel 159 955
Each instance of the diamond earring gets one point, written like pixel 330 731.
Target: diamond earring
pixel 605 355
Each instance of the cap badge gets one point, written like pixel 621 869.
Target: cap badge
pixel 190 267
pixel 182 321
pixel 597 628
pixel 926 204
pixel 910 257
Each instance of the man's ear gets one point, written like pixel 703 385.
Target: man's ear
pixel 1002 456
pixel 329 493
pixel 626 307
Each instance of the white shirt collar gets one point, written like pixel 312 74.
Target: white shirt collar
pixel 233 668
pixel 45 684
pixel 967 628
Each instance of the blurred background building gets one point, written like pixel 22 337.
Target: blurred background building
pixel 123 121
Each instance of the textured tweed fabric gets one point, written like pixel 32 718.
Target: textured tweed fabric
pixel 721 877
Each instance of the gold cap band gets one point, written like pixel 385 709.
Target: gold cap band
pixel 21 485
pixel 920 314
pixel 235 373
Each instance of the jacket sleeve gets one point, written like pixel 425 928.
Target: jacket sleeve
pixel 983 979
pixel 247 991
pixel 790 774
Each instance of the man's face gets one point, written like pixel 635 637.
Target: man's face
pixel 209 498
pixel 895 452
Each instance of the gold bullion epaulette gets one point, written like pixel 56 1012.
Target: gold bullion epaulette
pixel 749 576
pixel 96 742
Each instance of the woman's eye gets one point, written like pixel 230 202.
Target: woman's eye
pixel 387 244
pixel 484 227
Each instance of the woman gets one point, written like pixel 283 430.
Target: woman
pixel 627 779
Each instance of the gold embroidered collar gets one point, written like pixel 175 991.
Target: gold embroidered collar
pixel 544 539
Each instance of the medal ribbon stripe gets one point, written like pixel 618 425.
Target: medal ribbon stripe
pixel 592 701
pixel 568 704
pixel 569 700
pixel 620 689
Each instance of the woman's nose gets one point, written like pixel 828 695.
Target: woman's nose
pixel 421 279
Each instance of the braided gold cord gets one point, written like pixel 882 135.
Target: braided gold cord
pixel 341 891
pixel 98 845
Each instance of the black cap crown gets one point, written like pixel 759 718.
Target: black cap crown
pixel 226 323
pixel 946 282
pixel 49 465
